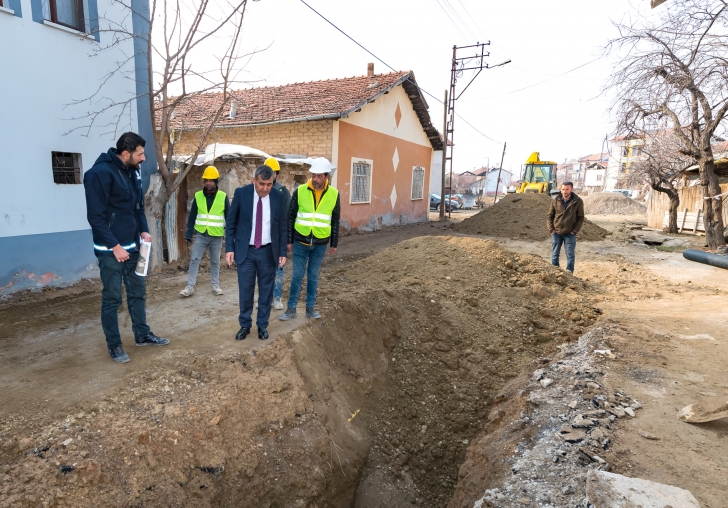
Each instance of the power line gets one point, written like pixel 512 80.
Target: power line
pixel 457 15
pixel 394 70
pixel 450 18
pixel 545 80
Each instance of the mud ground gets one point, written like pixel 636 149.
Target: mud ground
pixel 58 382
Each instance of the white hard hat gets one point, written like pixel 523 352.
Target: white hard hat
pixel 321 165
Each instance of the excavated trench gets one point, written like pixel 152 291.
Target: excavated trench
pixel 374 405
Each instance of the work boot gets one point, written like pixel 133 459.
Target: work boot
pixel 151 340
pixel 188 291
pixel 277 304
pixel 312 314
pixel 118 355
pixel 216 290
pixel 288 315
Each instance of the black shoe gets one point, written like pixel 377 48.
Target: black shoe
pixel 151 340
pixel 262 333
pixel 242 333
pixel 118 355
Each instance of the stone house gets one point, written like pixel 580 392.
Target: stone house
pixel 375 129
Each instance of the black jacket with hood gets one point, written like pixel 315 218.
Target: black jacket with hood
pixel 114 204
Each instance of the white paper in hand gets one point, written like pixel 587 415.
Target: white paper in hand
pixel 142 266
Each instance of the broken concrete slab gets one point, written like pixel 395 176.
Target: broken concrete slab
pixel 705 411
pixel 610 490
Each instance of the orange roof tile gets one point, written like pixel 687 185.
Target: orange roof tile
pixel 313 100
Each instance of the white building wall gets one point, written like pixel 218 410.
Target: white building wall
pixel 46 69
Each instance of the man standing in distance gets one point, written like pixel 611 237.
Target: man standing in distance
pixel 115 211
pixel 256 241
pixel 278 287
pixel 566 216
pixel 313 224
pixel 207 217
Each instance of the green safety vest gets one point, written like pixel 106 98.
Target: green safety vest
pixel 210 221
pixel 310 218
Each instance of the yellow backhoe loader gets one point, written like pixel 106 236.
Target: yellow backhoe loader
pixel 539 177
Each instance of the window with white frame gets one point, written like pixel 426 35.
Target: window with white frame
pixel 361 181
pixel 65 12
pixel 418 182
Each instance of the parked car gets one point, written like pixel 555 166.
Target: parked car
pixel 435 203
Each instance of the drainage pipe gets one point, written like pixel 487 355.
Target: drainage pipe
pixel 706 257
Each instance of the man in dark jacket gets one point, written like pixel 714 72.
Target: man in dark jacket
pixel 256 241
pixel 115 211
pixel 566 216
pixel 313 224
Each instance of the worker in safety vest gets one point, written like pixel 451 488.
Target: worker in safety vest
pixel 313 225
pixel 207 218
pixel 278 287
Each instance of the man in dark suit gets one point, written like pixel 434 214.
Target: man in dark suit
pixel 256 240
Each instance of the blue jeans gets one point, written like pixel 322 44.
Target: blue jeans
pixel 569 243
pixel 257 265
pixel 314 256
pixel 112 275
pixel 278 287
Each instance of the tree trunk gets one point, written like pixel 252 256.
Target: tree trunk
pixel 674 204
pixel 674 197
pixel 154 202
pixel 712 208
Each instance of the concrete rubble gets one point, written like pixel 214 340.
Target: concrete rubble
pixel 609 490
pixel 572 416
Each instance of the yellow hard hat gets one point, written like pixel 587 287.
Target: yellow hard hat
pixel 273 164
pixel 211 173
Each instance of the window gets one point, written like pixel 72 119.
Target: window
pixel 66 167
pixel 623 169
pixel 600 178
pixel 65 12
pixel 418 182
pixel 625 151
pixel 361 181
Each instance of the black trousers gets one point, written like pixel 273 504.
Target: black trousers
pixel 258 264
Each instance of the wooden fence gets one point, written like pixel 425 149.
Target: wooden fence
pixel 691 199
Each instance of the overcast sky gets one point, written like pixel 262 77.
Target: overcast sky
pixel 561 116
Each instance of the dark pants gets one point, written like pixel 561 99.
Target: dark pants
pixel 257 264
pixel 112 274
pixel 313 255
pixel 569 243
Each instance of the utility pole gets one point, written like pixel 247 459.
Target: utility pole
pixel 444 159
pixel 497 183
pixel 460 65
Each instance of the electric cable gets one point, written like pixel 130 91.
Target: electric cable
pixel 394 70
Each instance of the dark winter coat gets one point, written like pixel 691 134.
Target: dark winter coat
pixel 114 204
pixel 566 218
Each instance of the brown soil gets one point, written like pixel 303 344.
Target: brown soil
pixel 611 203
pixel 417 331
pixel 521 217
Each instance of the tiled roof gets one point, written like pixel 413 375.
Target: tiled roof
pixel 314 100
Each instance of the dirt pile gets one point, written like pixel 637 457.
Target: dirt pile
pixel 522 217
pixel 612 203
pixel 471 315
pixel 384 393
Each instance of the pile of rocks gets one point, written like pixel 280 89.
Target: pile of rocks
pixel 572 412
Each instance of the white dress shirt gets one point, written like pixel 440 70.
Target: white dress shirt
pixel 266 219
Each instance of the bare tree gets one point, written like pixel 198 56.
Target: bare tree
pixel 661 167
pixel 192 48
pixel 674 69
